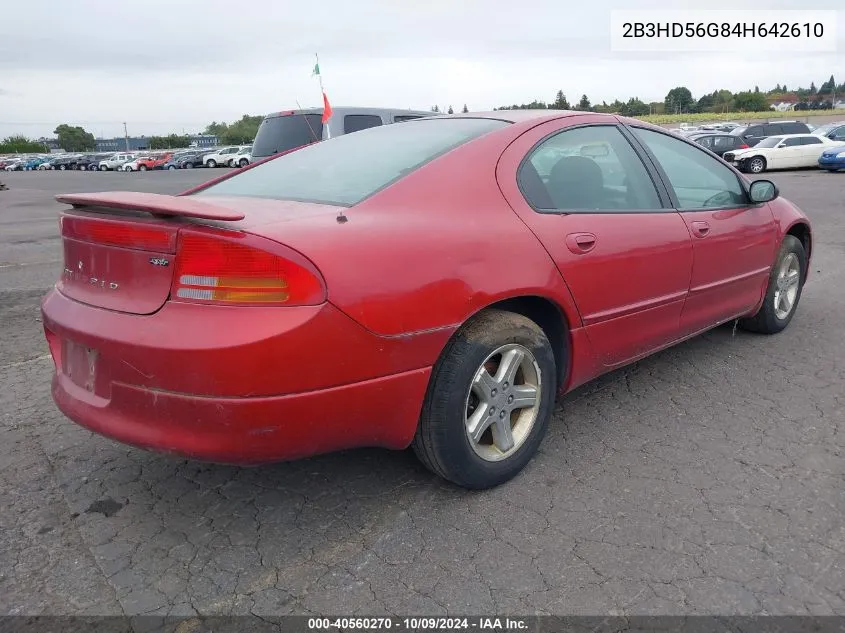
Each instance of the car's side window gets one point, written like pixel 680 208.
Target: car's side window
pixel 588 169
pixel 700 180
pixel 811 140
pixel 722 142
pixel 791 142
pixel 838 134
pixel 358 122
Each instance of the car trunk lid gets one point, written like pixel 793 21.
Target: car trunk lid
pixel 120 248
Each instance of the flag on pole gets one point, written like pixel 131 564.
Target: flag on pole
pixel 327 109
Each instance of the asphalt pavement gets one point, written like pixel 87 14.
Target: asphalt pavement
pixel 707 479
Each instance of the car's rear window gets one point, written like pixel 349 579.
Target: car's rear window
pixel 282 133
pixel 346 169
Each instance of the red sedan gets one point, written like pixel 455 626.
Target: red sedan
pixel 435 283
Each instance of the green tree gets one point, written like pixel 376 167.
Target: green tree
pixel 634 107
pixel 679 100
pixel 813 89
pixel 73 138
pixel 466 109
pixel 216 129
pixel 584 104
pixel 828 87
pixel 750 102
pixel 435 108
pixel 560 102
pixel 450 110
pixel 21 145
pixel 241 131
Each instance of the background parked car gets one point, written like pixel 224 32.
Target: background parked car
pixel 284 131
pixel 219 158
pixel 833 131
pixel 115 161
pixel 833 159
pixel 753 134
pixel 790 151
pixel 242 158
pixel 719 143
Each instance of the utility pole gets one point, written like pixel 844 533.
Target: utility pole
pixel 126 136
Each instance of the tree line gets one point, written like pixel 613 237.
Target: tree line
pixel 680 100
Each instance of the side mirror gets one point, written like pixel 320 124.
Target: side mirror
pixel 763 191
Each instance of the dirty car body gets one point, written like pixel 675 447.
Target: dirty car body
pixel 317 301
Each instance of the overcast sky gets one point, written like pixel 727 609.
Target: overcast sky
pixel 165 66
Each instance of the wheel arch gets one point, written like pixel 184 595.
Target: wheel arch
pixel 801 230
pixel 549 316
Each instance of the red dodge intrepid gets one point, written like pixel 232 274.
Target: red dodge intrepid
pixel 435 283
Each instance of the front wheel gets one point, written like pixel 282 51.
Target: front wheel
pixel 757 165
pixel 489 401
pixel 211 163
pixel 171 167
pixel 786 281
pixel 189 165
pixel 142 168
pixel 243 162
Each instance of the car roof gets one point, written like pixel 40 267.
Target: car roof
pixel 344 110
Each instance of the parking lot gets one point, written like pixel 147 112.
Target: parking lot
pixel 709 478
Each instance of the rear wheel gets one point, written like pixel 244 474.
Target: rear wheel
pixel 243 162
pixel 142 168
pixel 211 163
pixel 489 401
pixel 189 165
pixel 172 167
pixel 786 281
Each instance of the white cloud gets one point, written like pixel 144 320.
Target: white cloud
pixel 167 66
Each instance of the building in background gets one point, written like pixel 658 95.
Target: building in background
pixel 136 143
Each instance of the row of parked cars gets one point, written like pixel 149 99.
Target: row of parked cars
pixel 759 147
pixel 233 156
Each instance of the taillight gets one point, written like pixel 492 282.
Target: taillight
pixel 743 146
pixel 224 267
pixel 135 235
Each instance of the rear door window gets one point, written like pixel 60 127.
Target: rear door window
pixel 358 122
pixel 773 128
pixel 810 140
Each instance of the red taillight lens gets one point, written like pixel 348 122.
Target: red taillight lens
pixel 743 146
pixel 237 268
pixel 126 234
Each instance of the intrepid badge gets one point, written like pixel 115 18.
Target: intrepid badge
pixel 159 261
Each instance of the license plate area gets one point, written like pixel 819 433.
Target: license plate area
pixel 79 363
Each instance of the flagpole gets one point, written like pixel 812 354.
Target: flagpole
pixel 322 90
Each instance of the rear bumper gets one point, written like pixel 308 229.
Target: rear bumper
pixel 381 412
pixel 237 385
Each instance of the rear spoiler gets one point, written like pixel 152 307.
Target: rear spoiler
pixel 154 203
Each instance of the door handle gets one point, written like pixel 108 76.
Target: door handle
pixel 580 243
pixel 700 229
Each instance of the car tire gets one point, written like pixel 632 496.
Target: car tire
pixel 82 168
pixel 62 167
pixel 243 163
pixel 756 165
pixel 454 399
pixel 171 168
pixel 189 165
pixel 211 163
pixel 142 168
pixel 786 281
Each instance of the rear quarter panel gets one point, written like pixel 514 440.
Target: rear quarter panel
pixel 432 249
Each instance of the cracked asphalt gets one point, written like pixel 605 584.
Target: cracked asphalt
pixel 707 479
